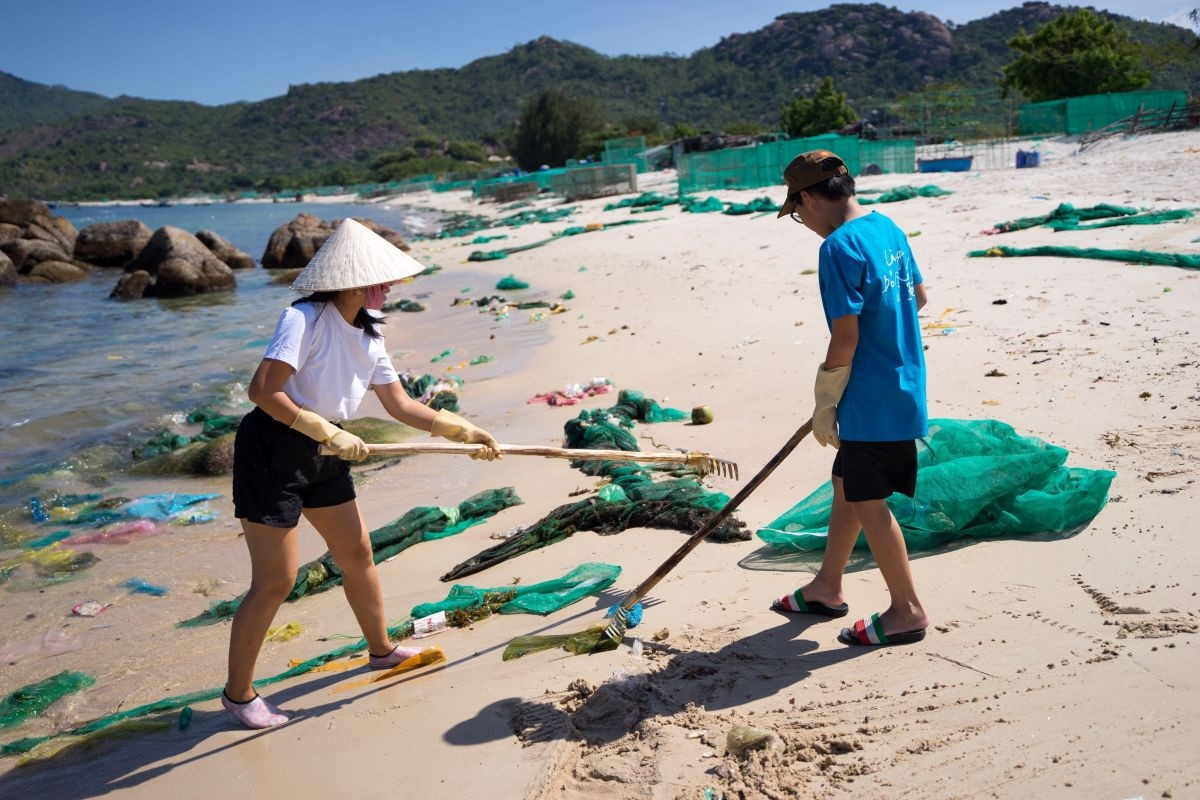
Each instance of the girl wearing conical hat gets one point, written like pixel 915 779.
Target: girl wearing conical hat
pixel 327 352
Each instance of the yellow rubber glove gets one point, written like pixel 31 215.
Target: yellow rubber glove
pixel 451 426
pixel 345 444
pixel 830 386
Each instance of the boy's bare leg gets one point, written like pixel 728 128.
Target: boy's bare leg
pixel 891 555
pixel 826 586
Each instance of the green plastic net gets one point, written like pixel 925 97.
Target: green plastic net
pixel 1127 256
pixel 633 497
pixel 215 425
pixel 33 699
pixel 976 479
pixel 505 252
pixel 905 193
pixel 420 524
pixel 551 595
pixel 536 598
pixel 1069 218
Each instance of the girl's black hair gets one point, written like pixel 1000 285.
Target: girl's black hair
pixel 365 320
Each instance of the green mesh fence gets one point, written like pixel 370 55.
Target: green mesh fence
pixel 626 150
pixel 762 164
pixel 585 182
pixel 975 479
pixel 1074 115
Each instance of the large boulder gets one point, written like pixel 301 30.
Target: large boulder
pixel 294 243
pixel 37 222
pixel 8 273
pixel 180 265
pixel 57 272
pixel 112 244
pixel 9 232
pixel 132 285
pixel 27 253
pixel 223 249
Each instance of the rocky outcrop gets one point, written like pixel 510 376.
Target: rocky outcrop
pixel 179 265
pixel 8 273
pixel 132 285
pixel 223 249
pixel 112 244
pixel 51 271
pixel 30 234
pixel 294 243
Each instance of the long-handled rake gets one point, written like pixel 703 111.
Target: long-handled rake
pixel 702 462
pixel 620 616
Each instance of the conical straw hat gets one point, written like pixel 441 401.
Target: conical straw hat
pixel 355 256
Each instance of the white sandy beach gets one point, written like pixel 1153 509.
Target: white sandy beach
pixel 1054 668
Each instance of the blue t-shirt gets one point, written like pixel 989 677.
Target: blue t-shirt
pixel 865 268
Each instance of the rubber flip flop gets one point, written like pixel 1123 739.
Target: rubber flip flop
pixel 795 603
pixel 869 633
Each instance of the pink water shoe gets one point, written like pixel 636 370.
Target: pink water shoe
pixel 398 656
pixel 256 713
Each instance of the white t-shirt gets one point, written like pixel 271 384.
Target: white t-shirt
pixel 335 362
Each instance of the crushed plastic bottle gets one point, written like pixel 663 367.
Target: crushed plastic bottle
pixel 37 511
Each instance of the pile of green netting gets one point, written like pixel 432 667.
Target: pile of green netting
pixel 420 524
pixel 645 200
pixel 755 206
pixel 417 387
pixel 905 192
pixel 632 498
pixel 165 441
pixel 1069 218
pixel 1125 256
pixel 975 479
pixel 464 606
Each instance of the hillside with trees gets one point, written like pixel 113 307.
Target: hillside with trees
pixel 59 144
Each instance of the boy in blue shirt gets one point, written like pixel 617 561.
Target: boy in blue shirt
pixel 870 392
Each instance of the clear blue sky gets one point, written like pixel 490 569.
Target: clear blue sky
pixel 222 51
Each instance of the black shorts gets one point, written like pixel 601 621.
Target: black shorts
pixel 874 470
pixel 277 471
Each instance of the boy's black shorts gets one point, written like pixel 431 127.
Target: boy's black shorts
pixel 277 471
pixel 874 470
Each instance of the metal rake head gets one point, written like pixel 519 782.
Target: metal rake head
pixel 615 630
pixel 710 464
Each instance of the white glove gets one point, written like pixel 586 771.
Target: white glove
pixel 451 426
pixel 830 386
pixel 345 444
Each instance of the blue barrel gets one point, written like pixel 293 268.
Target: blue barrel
pixel 1028 159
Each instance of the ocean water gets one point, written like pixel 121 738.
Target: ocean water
pixel 84 378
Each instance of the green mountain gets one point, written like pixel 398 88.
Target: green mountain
pixel 24 104
pixel 60 144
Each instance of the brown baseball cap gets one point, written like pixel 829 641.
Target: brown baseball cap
pixel 807 169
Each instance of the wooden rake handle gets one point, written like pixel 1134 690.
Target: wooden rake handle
pixel 716 519
pixel 444 448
